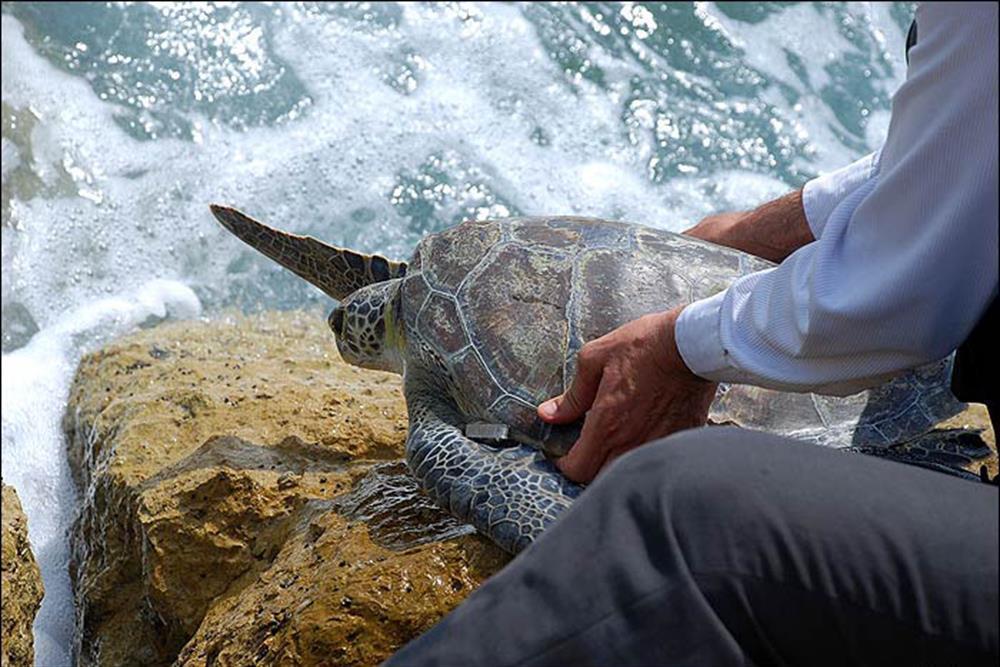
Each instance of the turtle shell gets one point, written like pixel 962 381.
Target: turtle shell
pixel 499 309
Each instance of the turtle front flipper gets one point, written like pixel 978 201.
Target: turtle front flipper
pixel 336 271
pixel 510 494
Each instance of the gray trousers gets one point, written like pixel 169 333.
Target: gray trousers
pixel 720 546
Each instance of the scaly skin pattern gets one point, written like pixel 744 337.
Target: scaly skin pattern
pixel 511 494
pixel 366 330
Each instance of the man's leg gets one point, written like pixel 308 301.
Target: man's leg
pixel 721 546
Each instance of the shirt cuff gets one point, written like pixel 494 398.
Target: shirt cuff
pixel 822 194
pixel 698 340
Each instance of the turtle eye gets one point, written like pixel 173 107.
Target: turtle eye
pixel 336 320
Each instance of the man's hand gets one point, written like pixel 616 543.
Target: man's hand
pixel 633 387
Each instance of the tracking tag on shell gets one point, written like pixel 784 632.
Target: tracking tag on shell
pixel 484 431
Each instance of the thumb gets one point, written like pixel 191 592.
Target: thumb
pixel 574 403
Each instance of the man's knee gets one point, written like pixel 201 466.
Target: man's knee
pixel 698 457
pixel 716 475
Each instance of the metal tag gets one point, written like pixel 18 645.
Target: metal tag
pixel 484 431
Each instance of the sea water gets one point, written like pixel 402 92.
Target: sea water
pixel 369 125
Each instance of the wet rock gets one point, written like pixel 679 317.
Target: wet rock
pixel 226 465
pixel 21 586
pixel 397 515
pixel 333 596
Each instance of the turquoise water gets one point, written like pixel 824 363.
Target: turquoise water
pixel 370 125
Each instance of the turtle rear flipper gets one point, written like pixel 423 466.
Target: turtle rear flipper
pixel 336 271
pixel 510 494
pixel 956 451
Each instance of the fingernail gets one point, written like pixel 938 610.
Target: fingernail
pixel 548 408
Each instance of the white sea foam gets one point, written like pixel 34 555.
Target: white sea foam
pixel 804 32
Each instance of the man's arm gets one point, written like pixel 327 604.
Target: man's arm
pixel 632 384
pixel 902 267
pixel 778 228
pixel 773 231
pixel 905 263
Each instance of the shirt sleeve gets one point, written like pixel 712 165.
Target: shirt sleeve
pixel 906 262
pixel 822 194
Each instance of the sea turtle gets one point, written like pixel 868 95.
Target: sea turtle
pixel 485 320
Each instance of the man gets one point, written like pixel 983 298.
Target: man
pixel 720 546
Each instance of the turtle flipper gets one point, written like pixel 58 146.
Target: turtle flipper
pixel 510 494
pixel 958 451
pixel 336 271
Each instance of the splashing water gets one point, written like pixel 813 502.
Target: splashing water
pixel 370 125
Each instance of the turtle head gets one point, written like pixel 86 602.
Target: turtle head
pixel 367 287
pixel 366 326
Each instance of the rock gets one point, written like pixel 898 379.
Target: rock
pixel 225 465
pixel 22 586
pixel 334 597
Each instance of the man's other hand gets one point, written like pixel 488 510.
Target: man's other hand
pixel 633 387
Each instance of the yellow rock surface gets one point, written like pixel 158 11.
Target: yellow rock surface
pixel 333 597
pixel 21 586
pixel 220 460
